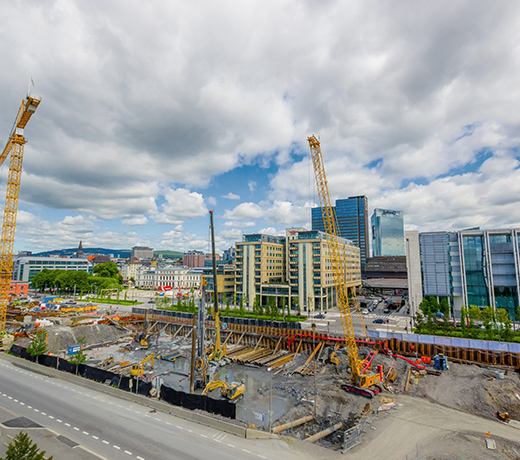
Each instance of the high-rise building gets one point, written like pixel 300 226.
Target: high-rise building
pixel 472 267
pixel 294 270
pixel 352 219
pixel 413 269
pixel 387 233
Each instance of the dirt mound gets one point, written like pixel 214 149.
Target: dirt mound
pixel 61 337
pixel 472 389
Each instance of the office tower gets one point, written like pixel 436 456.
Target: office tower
pixel 352 219
pixel 387 233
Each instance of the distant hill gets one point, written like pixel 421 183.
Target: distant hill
pixel 118 253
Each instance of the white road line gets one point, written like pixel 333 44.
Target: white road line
pixel 15 400
pixel 246 451
pixel 261 456
pixel 67 424
pixel 158 419
pixel 139 458
pixel 168 423
pixel 94 437
pixel 10 397
pixel 50 416
pixel 23 404
pixel 128 452
pixel 203 435
pixel 36 410
pixel 216 440
pixel 105 442
pixel 116 447
pixel 190 430
pixel 85 433
pixel 44 413
pixel 231 445
pixel 179 427
pixel 29 407
pixel 58 420
pixel 76 428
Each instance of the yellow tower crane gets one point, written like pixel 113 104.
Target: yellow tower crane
pixel 364 382
pixel 15 146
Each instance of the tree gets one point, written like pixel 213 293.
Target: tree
pixel 38 345
pixel 463 316
pixel 425 306
pixel 106 270
pixel 444 307
pixel 80 357
pixel 474 312
pixel 23 448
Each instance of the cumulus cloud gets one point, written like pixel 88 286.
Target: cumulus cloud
pixel 231 196
pixel 244 211
pixel 181 205
pixel 409 114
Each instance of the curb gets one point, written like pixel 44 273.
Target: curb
pixel 180 412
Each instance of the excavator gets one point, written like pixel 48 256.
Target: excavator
pixel 363 380
pixel 230 391
pixel 143 338
pixel 138 369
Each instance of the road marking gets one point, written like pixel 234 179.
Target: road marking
pixel 50 416
pixel 58 420
pixel 168 423
pixel 246 451
pixel 139 458
pixel 15 400
pixel 44 413
pixel 94 437
pixel 203 435
pixel 190 430
pixel 76 428
pixel 10 397
pixel 116 447
pixel 179 427
pixel 85 433
pixel 216 440
pixel 67 424
pixel 36 410
pixel 106 442
pixel 261 456
pixel 29 407
pixel 128 452
pixel 158 419
pixel 23 404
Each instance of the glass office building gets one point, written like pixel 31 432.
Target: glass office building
pixel 352 219
pixel 387 233
pixel 472 267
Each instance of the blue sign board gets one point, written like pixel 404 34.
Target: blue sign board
pixel 74 349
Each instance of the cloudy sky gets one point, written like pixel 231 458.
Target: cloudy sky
pixel 155 112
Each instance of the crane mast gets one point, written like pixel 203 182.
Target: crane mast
pixel 15 147
pixel 359 377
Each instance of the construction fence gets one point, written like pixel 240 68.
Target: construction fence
pixel 137 386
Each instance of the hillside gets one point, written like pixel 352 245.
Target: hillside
pixel 117 253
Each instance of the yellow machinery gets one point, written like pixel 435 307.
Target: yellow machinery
pixel 218 351
pixel 138 369
pixel 15 146
pixel 107 361
pixel 229 390
pixel 363 381
pixel 143 337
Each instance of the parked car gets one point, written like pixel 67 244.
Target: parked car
pixel 386 310
pixel 380 321
pixel 320 316
pixel 364 311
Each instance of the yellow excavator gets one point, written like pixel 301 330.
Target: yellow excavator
pixel 138 369
pixel 230 391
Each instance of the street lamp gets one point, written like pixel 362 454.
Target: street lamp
pixel 313 327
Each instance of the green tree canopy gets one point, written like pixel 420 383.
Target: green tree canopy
pixel 106 270
pixel 23 448
pixel 38 345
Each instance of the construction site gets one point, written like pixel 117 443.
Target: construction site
pixel 344 391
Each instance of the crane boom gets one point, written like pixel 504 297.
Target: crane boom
pixel 339 270
pixel 15 147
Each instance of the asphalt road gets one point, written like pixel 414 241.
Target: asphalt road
pixel 115 429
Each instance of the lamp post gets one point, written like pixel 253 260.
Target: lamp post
pixel 313 327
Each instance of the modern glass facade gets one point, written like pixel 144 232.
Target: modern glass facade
pixel 472 267
pixel 352 219
pixel 387 233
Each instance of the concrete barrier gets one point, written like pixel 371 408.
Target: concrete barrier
pixel 180 412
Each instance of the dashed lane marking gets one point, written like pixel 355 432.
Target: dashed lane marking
pixel 116 447
pixel 128 452
pixel 105 442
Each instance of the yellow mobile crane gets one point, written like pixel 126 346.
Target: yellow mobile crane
pixel 138 369
pixel 15 146
pixel 363 381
